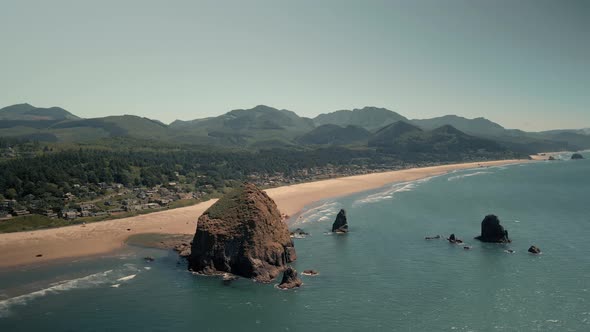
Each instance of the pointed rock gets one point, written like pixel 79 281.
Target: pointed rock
pixel 290 279
pixel 242 234
pixel 340 225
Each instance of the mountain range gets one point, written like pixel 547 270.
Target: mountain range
pixel 268 127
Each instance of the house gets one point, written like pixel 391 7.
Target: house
pixel 70 215
pixel 84 213
pixel 50 214
pixel 87 207
pixel 18 213
pixel 8 204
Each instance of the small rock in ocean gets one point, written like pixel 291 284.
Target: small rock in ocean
pixel 290 279
pixel 453 239
pixel 436 237
pixel 298 234
pixel 467 247
pixel 340 225
pixel 149 259
pixel 534 250
pixel 310 273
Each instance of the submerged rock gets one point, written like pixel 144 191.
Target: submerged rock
pixel 534 250
pixel 340 225
pixel 242 234
pixel 290 279
pixel 577 156
pixel 310 273
pixel 436 237
pixel 298 234
pixel 492 231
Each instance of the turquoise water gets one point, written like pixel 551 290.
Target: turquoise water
pixel 383 275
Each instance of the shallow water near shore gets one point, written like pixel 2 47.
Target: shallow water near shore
pixel 383 275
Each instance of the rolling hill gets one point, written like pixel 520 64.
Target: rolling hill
pixel 330 134
pixel 370 118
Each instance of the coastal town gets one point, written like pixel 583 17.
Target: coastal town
pixel 102 201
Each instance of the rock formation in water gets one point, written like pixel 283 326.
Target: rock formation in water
pixel 340 225
pixel 290 279
pixel 577 156
pixel 534 250
pixel 298 234
pixel 551 158
pixel 242 234
pixel 310 273
pixel 492 231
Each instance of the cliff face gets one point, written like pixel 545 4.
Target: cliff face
pixel 242 234
pixel 492 231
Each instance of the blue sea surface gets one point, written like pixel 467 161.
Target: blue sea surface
pixel 383 275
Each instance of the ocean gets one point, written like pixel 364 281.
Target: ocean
pixel 383 275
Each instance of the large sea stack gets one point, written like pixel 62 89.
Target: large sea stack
pixel 492 231
pixel 242 234
pixel 340 225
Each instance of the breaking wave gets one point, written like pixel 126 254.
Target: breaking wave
pixel 457 177
pixel 390 191
pixel 111 278
pixel 323 212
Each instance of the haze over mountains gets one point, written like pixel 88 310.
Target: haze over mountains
pixel 267 127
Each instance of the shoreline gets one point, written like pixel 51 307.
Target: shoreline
pixel 22 248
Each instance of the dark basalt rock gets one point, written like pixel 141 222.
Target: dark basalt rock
pixel 551 158
pixel 453 239
pixel 340 225
pixel 242 234
pixel 290 279
pixel 534 250
pixel 436 237
pixel 149 259
pixel 577 156
pixel 492 231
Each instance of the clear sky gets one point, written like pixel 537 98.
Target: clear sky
pixel 524 64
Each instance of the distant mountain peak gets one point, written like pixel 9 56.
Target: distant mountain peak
pixel 27 112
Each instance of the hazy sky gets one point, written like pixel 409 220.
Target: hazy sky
pixel 524 64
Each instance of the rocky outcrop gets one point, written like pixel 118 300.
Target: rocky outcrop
pixel 577 156
pixel 298 234
pixel 183 249
pixel 492 231
pixel 551 158
pixel 534 250
pixel 340 225
pixel 242 234
pixel 290 279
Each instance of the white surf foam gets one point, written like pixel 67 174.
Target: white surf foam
pixel 89 281
pixel 390 191
pixel 129 277
pixel 458 177
pixel 324 212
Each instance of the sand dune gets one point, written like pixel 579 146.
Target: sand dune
pixel 104 237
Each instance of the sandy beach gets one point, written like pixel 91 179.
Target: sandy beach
pixel 107 236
